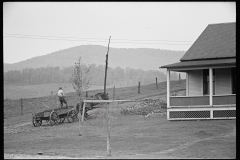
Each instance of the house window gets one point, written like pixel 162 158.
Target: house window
pixel 206 82
pixel 233 74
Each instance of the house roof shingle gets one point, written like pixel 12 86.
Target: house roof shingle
pixel 216 41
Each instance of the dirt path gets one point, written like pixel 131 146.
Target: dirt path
pixel 26 156
pixel 232 133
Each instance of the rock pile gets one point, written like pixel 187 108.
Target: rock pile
pixel 147 107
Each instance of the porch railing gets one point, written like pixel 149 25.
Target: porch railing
pixel 189 100
pixel 224 99
pixel 202 100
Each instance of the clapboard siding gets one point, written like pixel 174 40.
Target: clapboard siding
pixel 195 83
pixel 223 81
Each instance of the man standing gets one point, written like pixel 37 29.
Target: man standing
pixel 61 96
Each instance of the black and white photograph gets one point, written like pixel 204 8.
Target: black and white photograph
pixel 119 80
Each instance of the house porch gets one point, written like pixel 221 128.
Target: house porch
pixel 218 102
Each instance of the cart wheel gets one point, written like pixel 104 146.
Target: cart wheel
pixel 53 118
pixel 61 120
pixel 71 116
pixel 36 123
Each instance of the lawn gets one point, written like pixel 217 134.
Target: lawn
pixel 134 132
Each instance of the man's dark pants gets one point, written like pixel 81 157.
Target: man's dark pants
pixel 62 100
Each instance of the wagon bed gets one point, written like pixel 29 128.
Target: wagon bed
pixel 54 116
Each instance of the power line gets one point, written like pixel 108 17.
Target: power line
pixel 51 38
pixel 153 40
pixel 151 43
pixel 93 39
pixel 44 36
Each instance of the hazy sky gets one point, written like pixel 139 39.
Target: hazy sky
pixel 32 29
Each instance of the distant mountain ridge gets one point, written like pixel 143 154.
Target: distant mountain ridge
pixel 139 58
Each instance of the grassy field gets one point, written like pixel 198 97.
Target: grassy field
pixel 17 91
pixel 12 107
pixel 134 133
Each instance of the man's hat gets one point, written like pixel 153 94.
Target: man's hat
pixel 60 87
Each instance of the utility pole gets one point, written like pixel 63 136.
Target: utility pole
pixel 106 68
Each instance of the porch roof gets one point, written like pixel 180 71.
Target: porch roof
pixel 201 63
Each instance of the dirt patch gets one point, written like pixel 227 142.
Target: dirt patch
pixel 203 134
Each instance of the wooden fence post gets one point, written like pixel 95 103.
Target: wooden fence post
pixel 80 116
pixel 86 93
pixel 113 92
pixel 138 87
pixel 156 83
pixel 84 105
pixel 108 132
pixel 108 128
pixel 21 107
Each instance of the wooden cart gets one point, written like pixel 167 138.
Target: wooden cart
pixel 54 116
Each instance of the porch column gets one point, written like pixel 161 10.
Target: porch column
pixel 211 86
pixel 168 88
pixel 187 83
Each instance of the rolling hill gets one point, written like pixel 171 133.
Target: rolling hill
pixel 140 58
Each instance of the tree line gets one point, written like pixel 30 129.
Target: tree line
pixel 115 76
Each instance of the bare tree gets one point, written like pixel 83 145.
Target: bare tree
pixel 80 79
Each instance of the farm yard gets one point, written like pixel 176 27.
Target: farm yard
pixel 139 130
pixel 156 83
